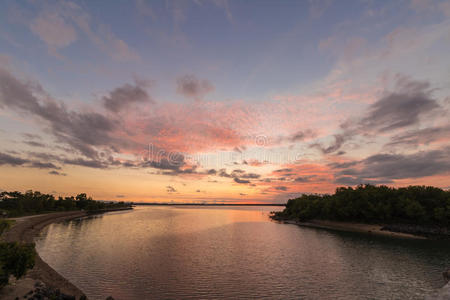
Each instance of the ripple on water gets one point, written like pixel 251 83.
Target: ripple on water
pixel 223 253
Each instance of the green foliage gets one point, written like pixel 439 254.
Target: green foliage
pixel 5 225
pixel 19 204
pixel 15 259
pixel 421 205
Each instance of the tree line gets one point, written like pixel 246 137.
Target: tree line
pixel 418 205
pixel 14 204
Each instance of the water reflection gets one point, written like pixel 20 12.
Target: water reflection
pixel 220 252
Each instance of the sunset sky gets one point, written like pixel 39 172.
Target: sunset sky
pixel 223 101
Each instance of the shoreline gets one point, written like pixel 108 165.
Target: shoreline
pixel 442 293
pixel 26 229
pixel 352 227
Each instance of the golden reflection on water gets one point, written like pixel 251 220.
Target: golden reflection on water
pixel 193 252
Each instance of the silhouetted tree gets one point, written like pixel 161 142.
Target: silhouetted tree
pixel 422 205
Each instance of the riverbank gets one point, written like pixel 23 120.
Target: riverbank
pixel 25 230
pixel 351 227
pixel 442 294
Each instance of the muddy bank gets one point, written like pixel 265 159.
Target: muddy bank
pixel 25 230
pixel 351 227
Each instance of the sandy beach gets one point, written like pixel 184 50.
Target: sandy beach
pixel 25 230
pixel 353 227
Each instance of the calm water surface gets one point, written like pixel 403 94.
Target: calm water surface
pixel 235 252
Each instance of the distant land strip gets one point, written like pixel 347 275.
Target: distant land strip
pixel 209 204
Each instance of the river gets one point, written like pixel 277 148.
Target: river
pixel 192 252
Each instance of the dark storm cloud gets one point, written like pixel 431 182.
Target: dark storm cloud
pixel 34 144
pixel 397 166
pixel 243 174
pixel 165 164
pixel 384 168
pixel 121 97
pixel 57 173
pixel 348 180
pixel 31 136
pixel 288 174
pixel 6 159
pixel 168 167
pixel 90 163
pixel 401 108
pixel 170 189
pixel 174 165
pixel 283 170
pixel 343 165
pixel 239 176
pixel 404 107
pixel 212 172
pixel 250 175
pixel 191 87
pixel 16 94
pixel 339 140
pixel 43 165
pixel 304 178
pixel 281 188
pixel 302 135
pixel 191 170
pixel 177 166
pixel 298 136
pixel 31 140
pixel 420 137
pixel 237 180
pixel 223 173
pixel 44 156
pixel 81 130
